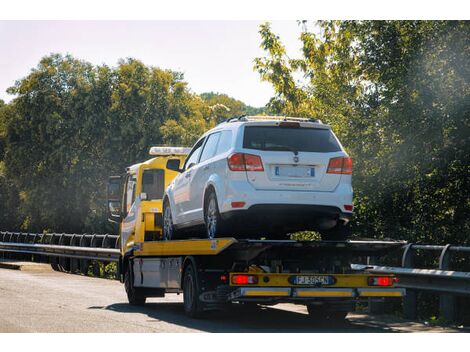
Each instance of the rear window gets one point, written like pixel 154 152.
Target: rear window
pixel 290 139
pixel 153 183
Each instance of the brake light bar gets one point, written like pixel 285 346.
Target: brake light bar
pixel 244 279
pixel 245 162
pixel 381 280
pixel 340 165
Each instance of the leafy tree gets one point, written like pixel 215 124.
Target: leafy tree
pixel 397 94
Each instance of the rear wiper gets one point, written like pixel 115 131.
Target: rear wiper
pixel 283 147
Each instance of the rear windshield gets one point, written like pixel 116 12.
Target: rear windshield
pixel 292 139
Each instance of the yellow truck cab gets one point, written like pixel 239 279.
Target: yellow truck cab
pixel 135 199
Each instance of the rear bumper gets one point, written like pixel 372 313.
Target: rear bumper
pixel 292 217
pixel 248 293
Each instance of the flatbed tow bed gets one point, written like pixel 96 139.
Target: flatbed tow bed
pixel 217 274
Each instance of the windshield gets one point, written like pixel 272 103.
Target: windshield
pixel 290 139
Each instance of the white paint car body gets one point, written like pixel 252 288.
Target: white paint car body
pixel 302 186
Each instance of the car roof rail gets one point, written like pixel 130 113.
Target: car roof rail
pixel 275 118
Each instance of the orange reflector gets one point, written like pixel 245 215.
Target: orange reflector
pixel 238 204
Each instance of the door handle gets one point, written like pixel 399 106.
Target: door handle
pixel 206 167
pixel 188 175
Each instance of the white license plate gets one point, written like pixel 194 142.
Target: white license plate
pixel 312 280
pixel 294 171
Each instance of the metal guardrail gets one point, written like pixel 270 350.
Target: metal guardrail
pixel 447 283
pixel 74 253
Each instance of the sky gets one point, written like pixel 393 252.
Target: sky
pixel 213 55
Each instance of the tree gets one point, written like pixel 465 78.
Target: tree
pixel 397 94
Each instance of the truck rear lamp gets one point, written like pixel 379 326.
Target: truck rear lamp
pixel 381 280
pixel 245 162
pixel 242 279
pixel 238 204
pixel 340 165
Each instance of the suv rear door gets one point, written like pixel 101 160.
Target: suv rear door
pixel 295 156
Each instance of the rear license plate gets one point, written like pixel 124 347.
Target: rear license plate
pixel 312 280
pixel 294 171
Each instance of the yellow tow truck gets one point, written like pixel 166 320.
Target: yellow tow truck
pixel 216 274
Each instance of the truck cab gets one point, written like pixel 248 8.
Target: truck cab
pixel 135 198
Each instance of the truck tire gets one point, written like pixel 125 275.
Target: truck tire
pixel 212 218
pixel 134 295
pixel 191 291
pixel 324 315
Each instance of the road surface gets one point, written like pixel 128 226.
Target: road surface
pixel 48 301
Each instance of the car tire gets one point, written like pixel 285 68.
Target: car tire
pixel 168 230
pixel 212 219
pixel 134 294
pixel 193 307
pixel 340 232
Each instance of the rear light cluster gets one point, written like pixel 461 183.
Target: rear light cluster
pixel 243 279
pixel 245 162
pixel 341 165
pixel 381 280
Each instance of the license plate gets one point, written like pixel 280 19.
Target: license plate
pixel 294 171
pixel 312 280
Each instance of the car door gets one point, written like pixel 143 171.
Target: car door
pixel 200 175
pixel 181 188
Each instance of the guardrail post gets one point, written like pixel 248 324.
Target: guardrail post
pixel 447 302
pixel 410 310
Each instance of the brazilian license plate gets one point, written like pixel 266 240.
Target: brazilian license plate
pixel 312 280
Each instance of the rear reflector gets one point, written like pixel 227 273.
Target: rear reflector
pixel 341 165
pixel 381 280
pixel 238 204
pixel 245 162
pixel 242 279
pixel 348 207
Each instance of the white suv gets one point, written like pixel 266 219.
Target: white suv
pixel 261 176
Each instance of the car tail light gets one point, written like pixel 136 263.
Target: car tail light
pixel 381 280
pixel 341 165
pixel 236 162
pixel 243 279
pixel 245 162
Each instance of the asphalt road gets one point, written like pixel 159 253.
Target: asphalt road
pixel 48 301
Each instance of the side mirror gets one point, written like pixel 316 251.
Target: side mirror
pixel 173 164
pixel 114 198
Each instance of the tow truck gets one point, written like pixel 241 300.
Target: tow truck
pixel 216 274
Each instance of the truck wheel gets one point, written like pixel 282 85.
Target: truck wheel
pixel 168 227
pixel 134 296
pixel 191 302
pixel 212 217
pixel 320 314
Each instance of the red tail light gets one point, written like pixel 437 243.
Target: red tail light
pixel 381 280
pixel 243 279
pixel 341 165
pixel 245 162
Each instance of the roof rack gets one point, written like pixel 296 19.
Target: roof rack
pixel 270 118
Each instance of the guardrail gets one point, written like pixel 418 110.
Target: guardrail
pixel 73 253
pixel 447 283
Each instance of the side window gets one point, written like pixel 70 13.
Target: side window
pixel 130 192
pixel 153 183
pixel 225 142
pixel 210 147
pixel 194 155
